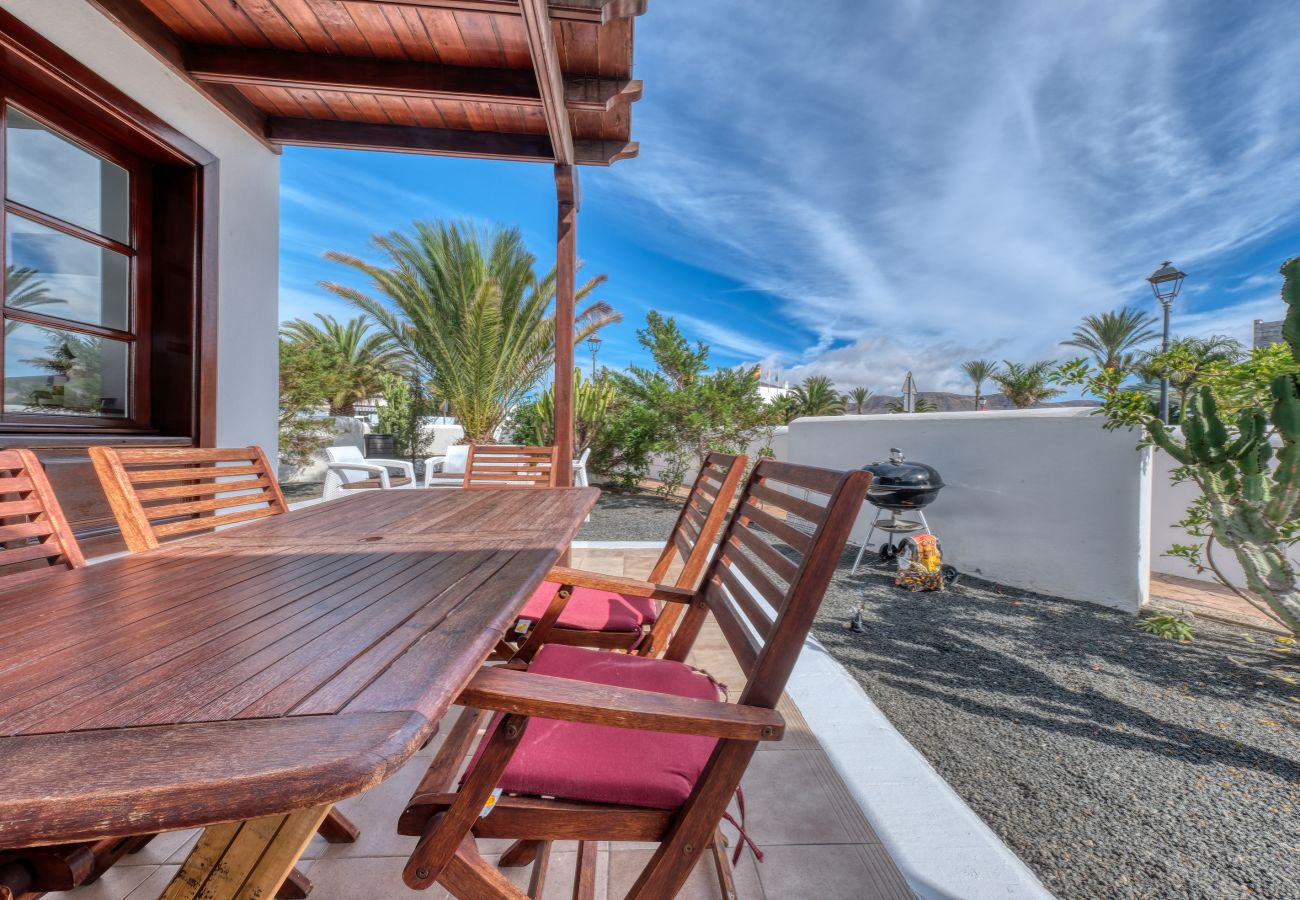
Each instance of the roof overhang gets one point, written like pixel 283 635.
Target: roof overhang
pixel 532 80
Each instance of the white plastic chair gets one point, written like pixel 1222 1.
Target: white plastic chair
pixel 447 471
pixel 580 470
pixel 349 471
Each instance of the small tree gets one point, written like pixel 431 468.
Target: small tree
pixel 1114 337
pixel 677 409
pixel 817 397
pixel 308 379
pixel 922 405
pixel 1026 384
pixel 980 371
pixel 401 413
pixel 857 398
pixel 1225 446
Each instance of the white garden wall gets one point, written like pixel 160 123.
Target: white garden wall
pixel 1045 500
pixel 249 209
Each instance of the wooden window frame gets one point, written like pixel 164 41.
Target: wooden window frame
pixel 138 251
pixel 173 391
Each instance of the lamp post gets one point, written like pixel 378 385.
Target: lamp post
pixel 593 344
pixel 1165 283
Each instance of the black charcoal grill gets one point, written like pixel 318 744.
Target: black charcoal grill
pixel 898 487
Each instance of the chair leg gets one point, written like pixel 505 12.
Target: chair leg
pixel 584 882
pixel 520 853
pixel 338 828
pixel 296 887
pixel 537 883
pixel 722 862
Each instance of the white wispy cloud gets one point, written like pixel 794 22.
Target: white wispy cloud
pixel 935 180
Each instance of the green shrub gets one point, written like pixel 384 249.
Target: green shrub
pixel 1170 628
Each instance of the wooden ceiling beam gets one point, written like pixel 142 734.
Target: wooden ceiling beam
pixel 149 31
pixel 440 141
pixel 550 78
pixel 398 78
pixel 591 12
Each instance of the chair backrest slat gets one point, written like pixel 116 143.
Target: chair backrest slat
pixel 777 557
pixel 510 466
pixel 33 528
pixel 691 541
pixel 167 493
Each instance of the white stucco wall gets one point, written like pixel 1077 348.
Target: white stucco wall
pixel 1039 499
pixel 248 240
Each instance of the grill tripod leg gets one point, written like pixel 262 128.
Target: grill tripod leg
pixel 865 544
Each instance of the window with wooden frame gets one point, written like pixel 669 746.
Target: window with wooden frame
pixel 76 295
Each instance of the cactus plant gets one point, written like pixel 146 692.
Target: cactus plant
pixel 1249 506
pixel 591 401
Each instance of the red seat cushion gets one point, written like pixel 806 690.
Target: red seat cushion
pixel 600 764
pixel 593 610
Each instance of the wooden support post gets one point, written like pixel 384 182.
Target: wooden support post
pixel 566 266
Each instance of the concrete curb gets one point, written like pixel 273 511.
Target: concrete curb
pixel 942 847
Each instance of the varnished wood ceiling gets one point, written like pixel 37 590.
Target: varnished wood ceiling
pixel 452 77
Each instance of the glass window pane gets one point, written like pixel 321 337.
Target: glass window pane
pixel 56 274
pixel 53 372
pixel 48 172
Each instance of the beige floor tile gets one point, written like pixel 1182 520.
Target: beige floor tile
pixel 559 874
pixel 152 887
pixel 825 873
pixel 115 884
pixel 787 802
pixel 376 812
pixel 626 865
pixel 368 878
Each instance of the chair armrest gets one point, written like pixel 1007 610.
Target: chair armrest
pixel 435 463
pixel 568 700
pixel 407 469
pixel 368 468
pixel 619 585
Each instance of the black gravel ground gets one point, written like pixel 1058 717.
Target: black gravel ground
pixel 1116 764
pixel 631 517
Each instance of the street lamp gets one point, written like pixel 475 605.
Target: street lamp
pixel 593 344
pixel 1165 283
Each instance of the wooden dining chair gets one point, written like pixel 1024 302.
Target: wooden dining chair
pixel 511 466
pixel 170 493
pixel 36 542
pixel 35 538
pixel 584 609
pixel 593 746
pixel 159 494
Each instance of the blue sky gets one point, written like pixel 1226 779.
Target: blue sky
pixel 861 188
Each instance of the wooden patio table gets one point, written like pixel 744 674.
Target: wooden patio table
pixel 249 679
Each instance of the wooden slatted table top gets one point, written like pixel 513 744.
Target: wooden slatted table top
pixel 259 669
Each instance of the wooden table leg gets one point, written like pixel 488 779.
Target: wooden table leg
pixel 245 860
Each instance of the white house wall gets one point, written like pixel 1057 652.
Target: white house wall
pixel 249 213
pixel 1039 499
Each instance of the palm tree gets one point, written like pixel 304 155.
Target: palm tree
pixel 359 355
pixel 466 305
pixel 858 397
pixel 817 397
pixel 1113 337
pixel 25 289
pixel 980 371
pixel 922 405
pixel 1026 385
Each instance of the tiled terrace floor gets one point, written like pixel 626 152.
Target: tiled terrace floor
pixel 815 840
pixel 1212 601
